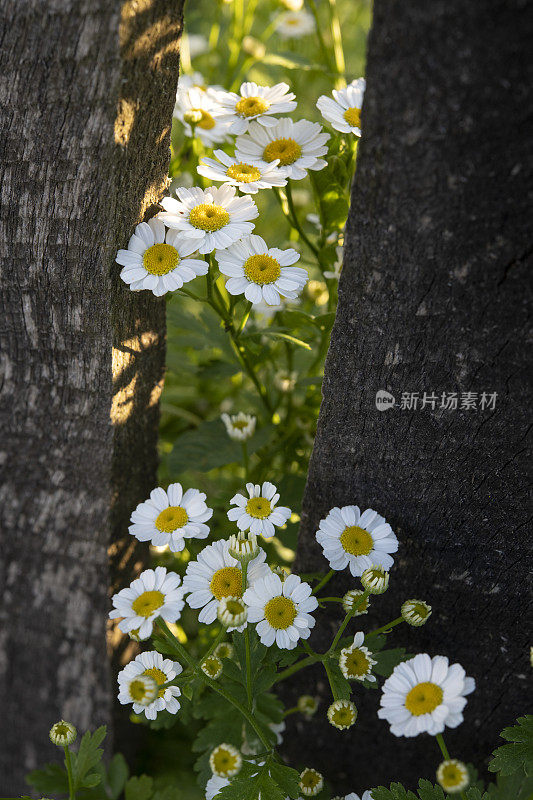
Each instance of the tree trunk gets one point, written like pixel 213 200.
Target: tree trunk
pixel 433 299
pixel 87 96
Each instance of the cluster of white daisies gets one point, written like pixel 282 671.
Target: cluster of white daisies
pixel 269 150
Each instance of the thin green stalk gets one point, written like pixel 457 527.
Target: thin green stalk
pixel 218 638
pixel 71 792
pixel 330 599
pixel 245 461
pixel 444 750
pixel 331 682
pixel 339 633
pixel 390 625
pixel 327 577
pixel 293 710
pixel 296 222
pixel 244 320
pixel 248 667
pixel 305 662
pixel 338 50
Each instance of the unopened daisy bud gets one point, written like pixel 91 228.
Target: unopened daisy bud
pixel 352 600
pixel 232 612
pixel 63 733
pixel 193 116
pixel 311 782
pixel 282 572
pixel 416 612
pixel 243 546
pixel 342 714
pixel 253 47
pixel 375 580
pixel 142 689
pixel 212 667
pixel 225 761
pixel 307 705
pixel 453 776
pixel 224 650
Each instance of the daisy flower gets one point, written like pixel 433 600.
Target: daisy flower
pixel 157 261
pixel 224 650
pixel 170 517
pixel 261 103
pixel 137 688
pixel 225 761
pixel 356 661
pixel 281 610
pixel 342 714
pixel 423 695
pixel 453 776
pixel 258 511
pixel 239 426
pixel 358 540
pixel 297 146
pixel 216 574
pixel 344 112
pixel 161 670
pixel 212 218
pixel 295 24
pixel 262 274
pixel 248 178
pixel 311 782
pixel 212 667
pixel 416 612
pixel 201 109
pixel 214 785
pixel 155 593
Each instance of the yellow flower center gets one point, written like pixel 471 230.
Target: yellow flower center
pixel 423 698
pixel 280 612
pixel 356 541
pixel 224 762
pixel 251 106
pixel 147 603
pixel 212 666
pixel 226 582
pixel 353 117
pixel 451 775
pixel 240 424
pixel 356 663
pixel 208 217
pixel 207 122
pixel 343 716
pixel 137 691
pixel 160 259
pixel 287 150
pixel 244 173
pixel 419 609
pixel 258 507
pixel 234 607
pixel 310 779
pixel 159 677
pixel 171 518
pixel 262 269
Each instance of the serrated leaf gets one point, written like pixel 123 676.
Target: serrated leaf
pixel 208 446
pixel 139 788
pixel 88 756
pixel 518 755
pixel 51 779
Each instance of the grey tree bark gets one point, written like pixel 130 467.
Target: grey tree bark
pixel 87 96
pixel 434 298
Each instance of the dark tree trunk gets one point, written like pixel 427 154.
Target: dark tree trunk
pixel 433 299
pixel 87 96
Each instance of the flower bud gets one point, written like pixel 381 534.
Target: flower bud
pixel 63 733
pixel 243 546
pixel 212 667
pixel 416 612
pixel 453 776
pixel 375 580
pixel 232 612
pixel 342 714
pixel 311 782
pixel 352 600
pixel 307 705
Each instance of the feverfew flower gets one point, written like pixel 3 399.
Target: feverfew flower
pixel 375 580
pixel 311 782
pixel 139 689
pixel 453 776
pixel 63 733
pixel 344 112
pixel 342 714
pixel 247 177
pixel 224 650
pixel 281 610
pixel 297 146
pixel 200 111
pixel 260 273
pixel 157 261
pixel 212 218
pixel 170 517
pixel 258 511
pixel 161 670
pixel 424 695
pixel 295 24
pixel 352 600
pixel 225 761
pixel 155 593
pixel 356 661
pixel 216 574
pixel 212 667
pixel 239 426
pixel 416 612
pixel 261 103
pixel 358 540
pixel 214 785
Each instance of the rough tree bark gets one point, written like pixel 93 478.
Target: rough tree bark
pixel 433 299
pixel 87 94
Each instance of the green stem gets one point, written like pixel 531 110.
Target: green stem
pixel 296 222
pixel 330 599
pixel 324 580
pixel 218 638
pixel 386 627
pixel 245 461
pixel 305 662
pixel 248 667
pixel 338 50
pixel 293 710
pixel 339 633
pixel 244 320
pixel 71 792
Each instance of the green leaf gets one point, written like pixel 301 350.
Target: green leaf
pixel 426 791
pixel 139 788
pixel 208 446
pixel 518 755
pixel 88 756
pixel 386 660
pixel 117 775
pixel 339 685
pixel 51 779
